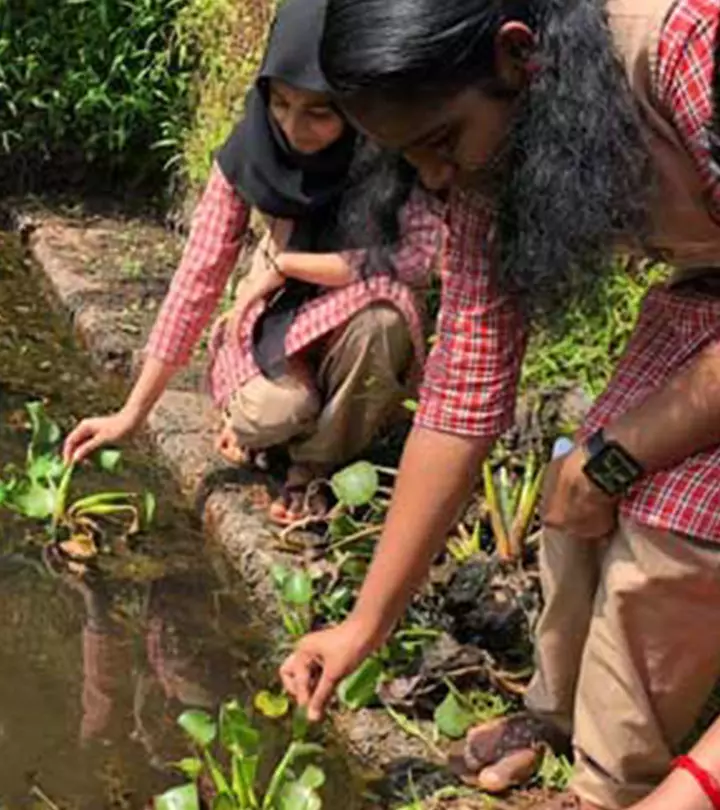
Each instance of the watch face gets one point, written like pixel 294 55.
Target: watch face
pixel 613 470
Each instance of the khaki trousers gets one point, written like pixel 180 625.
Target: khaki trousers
pixel 328 418
pixel 628 652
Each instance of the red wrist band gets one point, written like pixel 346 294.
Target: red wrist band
pixel 706 780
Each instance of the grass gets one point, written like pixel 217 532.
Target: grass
pixel 229 38
pixel 585 346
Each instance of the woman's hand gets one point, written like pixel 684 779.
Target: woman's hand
pixel 263 279
pixel 93 433
pixel 321 660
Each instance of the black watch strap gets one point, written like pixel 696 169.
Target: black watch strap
pixel 610 466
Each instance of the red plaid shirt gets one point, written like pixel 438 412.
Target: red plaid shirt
pixel 472 374
pixel 216 239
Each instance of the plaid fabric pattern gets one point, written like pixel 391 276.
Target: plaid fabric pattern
pixel 215 242
pixel 684 83
pixel 471 376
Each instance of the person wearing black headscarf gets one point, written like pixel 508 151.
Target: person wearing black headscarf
pixel 315 354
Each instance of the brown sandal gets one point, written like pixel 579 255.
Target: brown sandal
pixel 502 753
pixel 298 502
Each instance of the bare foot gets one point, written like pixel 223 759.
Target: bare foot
pixel 229 448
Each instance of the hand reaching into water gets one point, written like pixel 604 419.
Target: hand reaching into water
pixel 93 433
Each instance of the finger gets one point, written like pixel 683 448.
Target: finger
pixel 322 694
pixel 87 449
pixel 287 676
pixel 75 438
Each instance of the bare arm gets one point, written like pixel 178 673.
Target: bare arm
pixel 324 269
pixel 436 477
pixel 680 791
pixel 680 419
pixel 208 259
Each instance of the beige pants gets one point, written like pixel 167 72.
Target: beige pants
pixel 329 417
pixel 628 651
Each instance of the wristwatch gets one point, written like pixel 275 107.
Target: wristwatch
pixel 609 466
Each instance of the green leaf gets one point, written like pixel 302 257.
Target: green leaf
pixel 199 726
pixel 343 526
pixel 36 501
pixel 190 766
pixel 236 731
pixel 359 688
pixel 296 796
pixel 45 468
pixel 279 574
pixel 451 718
pixel 356 485
pixel 300 723
pixel 411 405
pixel 223 802
pixel 45 433
pixel 108 459
pixel 297 588
pixel 313 777
pixel 150 508
pixel 184 797
pixel 272 706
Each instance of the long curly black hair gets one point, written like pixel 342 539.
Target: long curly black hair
pixel 577 173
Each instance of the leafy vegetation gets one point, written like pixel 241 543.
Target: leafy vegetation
pixel 228 754
pixel 41 490
pixel 90 83
pixel 584 346
pixel 228 37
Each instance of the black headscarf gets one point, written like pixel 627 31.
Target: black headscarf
pixel 280 181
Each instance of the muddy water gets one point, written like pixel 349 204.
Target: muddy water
pixel 94 671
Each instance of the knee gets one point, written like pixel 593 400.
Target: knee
pixel 275 414
pixel 382 331
pixel 379 319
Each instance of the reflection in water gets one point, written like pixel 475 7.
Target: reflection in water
pixel 93 677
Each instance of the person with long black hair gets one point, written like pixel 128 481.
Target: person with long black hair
pixel 564 129
pixel 318 349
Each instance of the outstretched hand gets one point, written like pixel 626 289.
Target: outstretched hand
pixel 320 661
pixel 93 433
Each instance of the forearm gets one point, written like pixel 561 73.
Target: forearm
pixel 150 385
pixel 323 269
pixel 436 476
pixel 677 421
pixel 680 790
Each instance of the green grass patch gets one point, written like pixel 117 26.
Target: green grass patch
pixel 585 346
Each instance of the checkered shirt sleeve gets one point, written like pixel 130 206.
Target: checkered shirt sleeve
pixel 471 376
pixel 219 225
pixel 684 84
pixel 419 251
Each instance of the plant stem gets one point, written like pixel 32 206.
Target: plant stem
pixel 39 793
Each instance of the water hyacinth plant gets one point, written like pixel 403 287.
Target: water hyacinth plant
pixel 228 754
pixel 41 490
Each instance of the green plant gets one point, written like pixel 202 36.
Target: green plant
pixel 466 545
pixel 236 784
pixel 41 490
pixel 228 37
pixel 458 711
pixel 294 591
pixel 586 340
pixel 511 505
pixel 555 771
pixel 91 82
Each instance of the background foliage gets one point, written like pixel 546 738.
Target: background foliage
pixel 128 92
